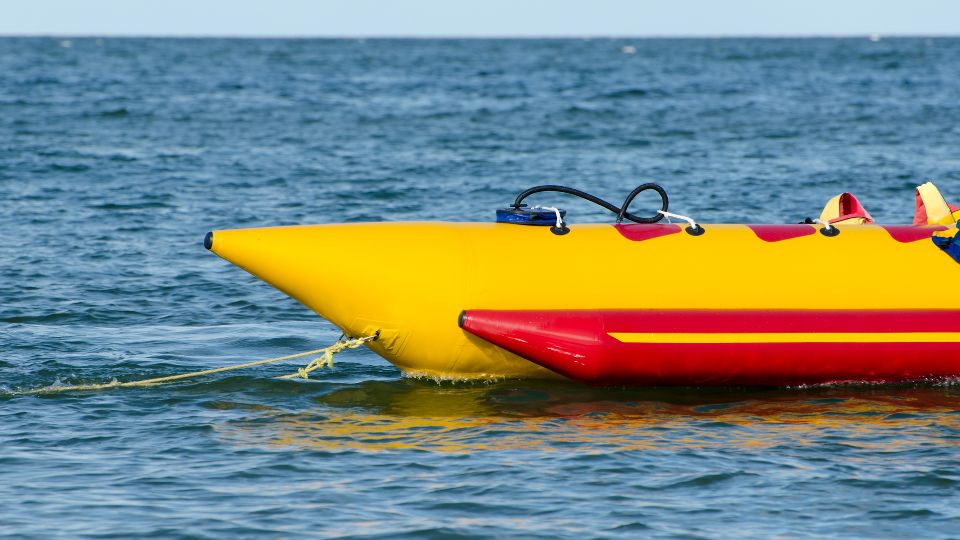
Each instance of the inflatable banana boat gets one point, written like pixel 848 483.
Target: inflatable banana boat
pixel 637 302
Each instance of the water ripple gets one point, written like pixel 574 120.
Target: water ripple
pixel 119 154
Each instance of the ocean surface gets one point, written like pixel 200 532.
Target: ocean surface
pixel 117 155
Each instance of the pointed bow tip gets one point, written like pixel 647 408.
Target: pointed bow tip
pixel 208 240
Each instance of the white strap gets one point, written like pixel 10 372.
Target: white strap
pixel 668 215
pixel 555 211
pixel 826 224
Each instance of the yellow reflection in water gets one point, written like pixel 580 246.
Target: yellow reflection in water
pixel 419 415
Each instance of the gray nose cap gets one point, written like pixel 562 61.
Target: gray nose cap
pixel 208 240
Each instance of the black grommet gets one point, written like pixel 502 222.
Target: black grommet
pixel 561 230
pixel 829 231
pixel 695 231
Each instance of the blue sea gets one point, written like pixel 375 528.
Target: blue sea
pixel 117 155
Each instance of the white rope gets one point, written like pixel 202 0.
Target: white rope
pixel 326 359
pixel 668 215
pixel 826 224
pixel 555 211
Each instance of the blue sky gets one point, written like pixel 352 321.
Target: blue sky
pixel 479 17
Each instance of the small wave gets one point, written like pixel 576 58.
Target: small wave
pixel 41 319
pixel 220 405
pixel 577 110
pixel 892 54
pixel 677 133
pixel 121 112
pixel 634 526
pixel 42 81
pixel 119 207
pixel 896 515
pixel 115 113
pixel 932 479
pixel 635 143
pixel 567 134
pixel 631 93
pixel 704 480
pixel 72 168
pixel 781 134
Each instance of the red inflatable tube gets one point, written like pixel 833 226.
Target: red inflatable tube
pixel 729 347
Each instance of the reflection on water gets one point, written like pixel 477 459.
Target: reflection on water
pixel 422 415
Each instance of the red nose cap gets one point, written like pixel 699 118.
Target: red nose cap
pixel 568 345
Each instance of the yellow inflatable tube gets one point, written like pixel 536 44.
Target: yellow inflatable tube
pixel 411 281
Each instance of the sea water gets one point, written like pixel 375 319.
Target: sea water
pixel 117 155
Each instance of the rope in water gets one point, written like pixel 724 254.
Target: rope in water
pixel 325 359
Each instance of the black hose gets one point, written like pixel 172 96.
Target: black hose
pixel 620 211
pixel 633 194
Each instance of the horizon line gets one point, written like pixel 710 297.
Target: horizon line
pixel 864 35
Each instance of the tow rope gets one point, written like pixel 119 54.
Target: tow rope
pixel 325 359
